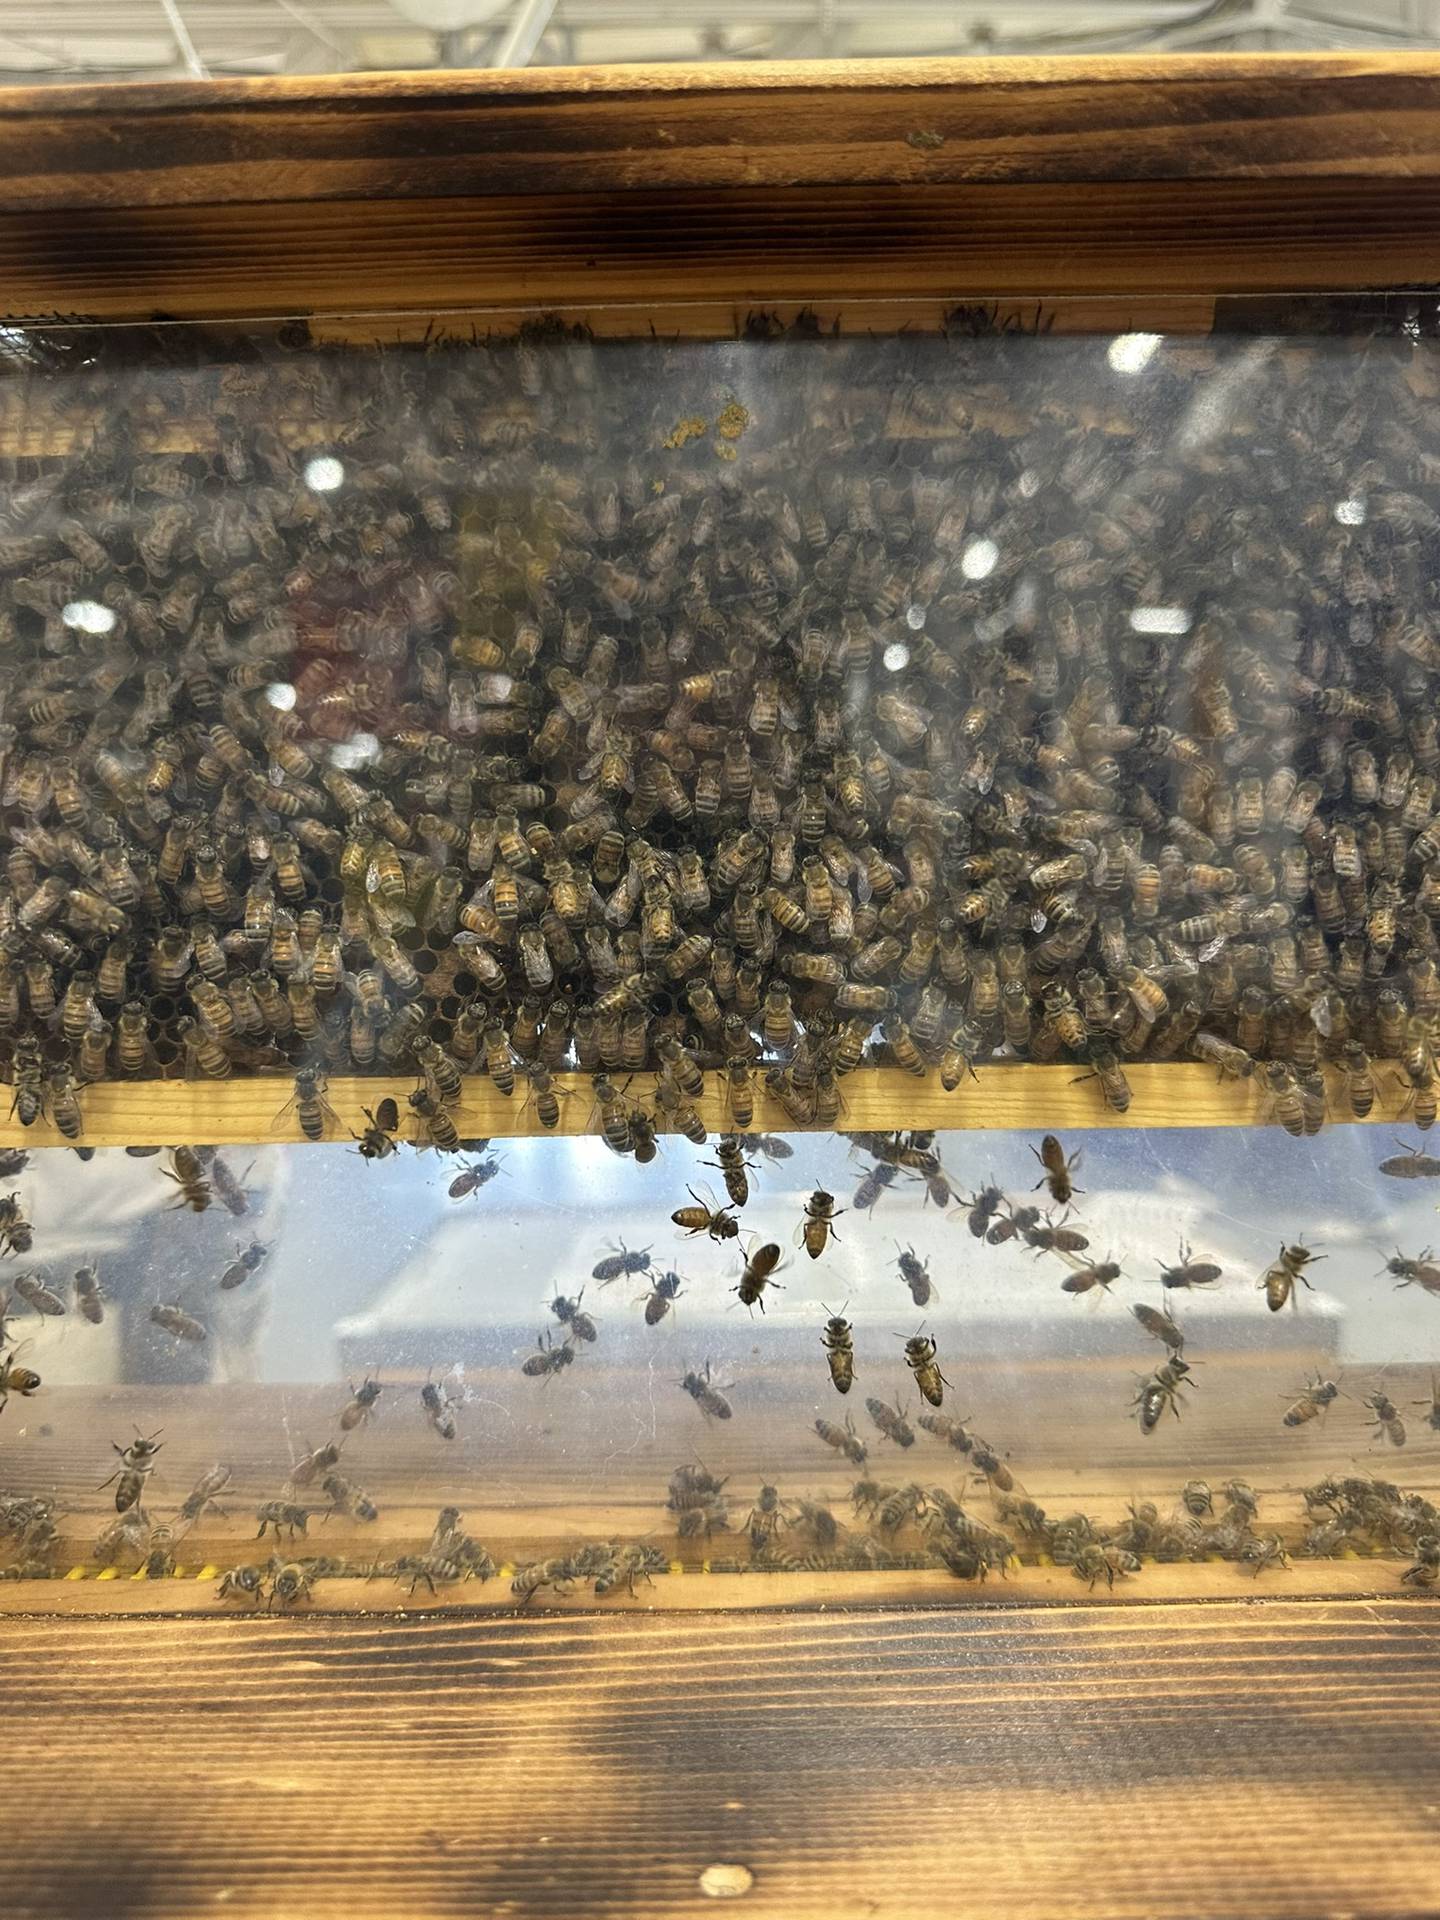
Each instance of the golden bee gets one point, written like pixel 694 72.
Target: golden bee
pixel 1281 1281
pixel 818 1226
pixel 844 1440
pixel 839 1344
pixel 360 1405
pixel 718 1223
pixel 1056 1170
pixel 757 1274
pixel 922 1359
pixel 137 1463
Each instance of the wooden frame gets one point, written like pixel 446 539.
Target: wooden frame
pixel 1140 179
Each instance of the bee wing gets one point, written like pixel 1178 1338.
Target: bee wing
pixel 283 1115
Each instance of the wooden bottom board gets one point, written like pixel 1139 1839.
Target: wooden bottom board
pixel 1233 1760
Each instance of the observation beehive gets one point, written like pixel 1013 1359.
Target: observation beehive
pixel 714 934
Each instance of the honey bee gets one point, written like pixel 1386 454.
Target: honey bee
pixel 179 1324
pixel 1387 1422
pixel 570 1314
pixel 1161 1390
pixel 1056 1170
pixel 378 1141
pixel 709 1398
pixel 34 1292
pixel 663 1293
pixel 921 1358
pixel 844 1440
pixel 248 1260
pixel 137 1463
pixel 318 1461
pixel 290 1583
pixel 1102 1274
pixel 1412 1163
pixel 241 1583
pixel 345 1497
pixel 817 1228
pixel 1279 1282
pixel 1316 1397
pixel 1420 1272
pixel 1160 1326
pixel 89 1296
pixel 756 1274
pixel 915 1273
pixel 621 1264
pixel 360 1405
pixel 891 1421
pixel 717 1223
pixel 1188 1271
pixel 474 1176
pixel 434 1121
pixel 312 1110
pixel 548 1359
pixel 734 1166
pixel 1432 1405
pixel 16 1379
pixel 16 1233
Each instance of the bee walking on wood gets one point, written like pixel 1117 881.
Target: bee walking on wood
pixel 361 1405
pixel 309 1104
pixel 1281 1281
pixel 921 1358
pixel 818 1226
pixel 548 1359
pixel 709 1398
pixel 241 1583
pixel 137 1463
pixel 16 1379
pixel 1056 1170
pixel 438 1409
pixel 838 1342
pixel 1316 1397
pixel 844 1440
pixel 1387 1422
pixel 434 1121
pixel 1161 1390
pixel 704 1217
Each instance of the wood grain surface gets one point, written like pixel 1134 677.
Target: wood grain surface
pixel 1234 1760
pixel 249 1111
pixel 935 180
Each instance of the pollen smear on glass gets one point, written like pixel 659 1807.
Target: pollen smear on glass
pixel 281 695
pixel 358 751
pixel 1132 352
pixel 324 473
pixel 1351 512
pixel 896 656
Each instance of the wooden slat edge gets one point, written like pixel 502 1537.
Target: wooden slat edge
pixel 247 1111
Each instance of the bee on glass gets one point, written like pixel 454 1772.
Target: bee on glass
pixel 839 1344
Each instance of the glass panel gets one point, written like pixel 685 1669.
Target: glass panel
pixel 788 707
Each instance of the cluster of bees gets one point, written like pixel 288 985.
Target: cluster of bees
pixel 541 702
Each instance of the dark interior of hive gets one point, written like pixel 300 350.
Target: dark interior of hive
pixel 775 704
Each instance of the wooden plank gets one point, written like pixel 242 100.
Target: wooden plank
pixel 1239 1761
pixel 876 1099
pixel 756 247
pixel 424 136
pixel 1150 177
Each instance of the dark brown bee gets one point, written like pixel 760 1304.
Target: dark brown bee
pixel 474 1176
pixel 658 1301
pixel 1160 1325
pixel 1102 1274
pixel 734 1166
pixel 839 1344
pixel 1051 1238
pixel 704 1217
pixel 179 1324
pixel 892 1422
pixel 1057 1170
pixel 439 1410
pixel 872 1187
pixel 709 1398
pixel 920 1357
pixel 844 1440
pixel 241 1583
pixel 1188 1271
pixel 433 1119
pixel 1432 1405
pixel 290 1582
pixel 570 1314
pixel 818 1225
pixel 621 1264
pixel 1411 1164
pixel 548 1360
pixel 188 1173
pixel 318 1461
pixel 248 1261
pixel 1160 1391
pixel 982 1210
pixel 756 1275
pixel 1421 1272
pixel 915 1272
pixel 361 1405
pixel 89 1296
pixel 312 1110
pixel 1280 1282
pixel 137 1463
pixel 34 1292
pixel 378 1140
pixel 345 1497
